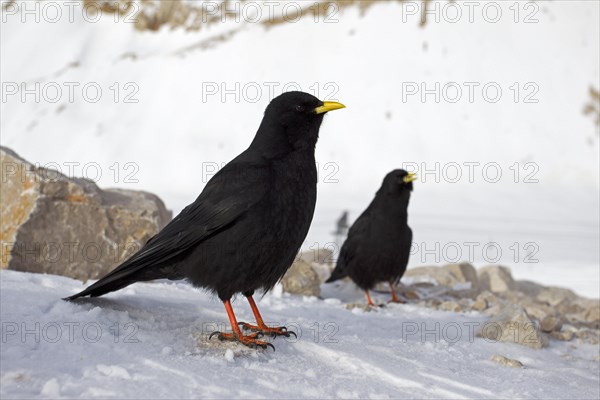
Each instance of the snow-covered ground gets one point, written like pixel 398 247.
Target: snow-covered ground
pixel 149 341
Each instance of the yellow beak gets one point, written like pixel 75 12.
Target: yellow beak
pixel 329 106
pixel 410 178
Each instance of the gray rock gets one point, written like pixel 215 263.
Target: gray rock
pixel 480 304
pixel 555 295
pixel 495 278
pixel 563 335
pixel 301 279
pixel 513 325
pixel 550 323
pixel 318 256
pixel 592 315
pixel 528 288
pixel 536 310
pixel 463 272
pixel 448 275
pixel 58 225
pixel 450 306
pixel 509 362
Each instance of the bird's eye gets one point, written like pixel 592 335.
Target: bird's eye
pixel 300 108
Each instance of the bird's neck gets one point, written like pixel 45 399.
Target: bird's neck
pixel 396 206
pixel 280 142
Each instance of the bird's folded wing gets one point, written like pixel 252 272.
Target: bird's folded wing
pixel 226 198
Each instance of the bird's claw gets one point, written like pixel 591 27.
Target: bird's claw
pixel 247 340
pixel 265 330
pixel 397 301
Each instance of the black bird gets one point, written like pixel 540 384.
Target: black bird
pixel 378 243
pixel 244 230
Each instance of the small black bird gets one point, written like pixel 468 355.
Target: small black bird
pixel 244 230
pixel 378 243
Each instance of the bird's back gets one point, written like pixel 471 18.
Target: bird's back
pixel 256 251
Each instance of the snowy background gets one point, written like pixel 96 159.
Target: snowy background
pixel 175 103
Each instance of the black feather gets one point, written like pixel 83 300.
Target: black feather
pixel 378 244
pixel 244 230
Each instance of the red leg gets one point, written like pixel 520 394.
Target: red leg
pixel 237 336
pixel 369 301
pixel 395 298
pixel 260 324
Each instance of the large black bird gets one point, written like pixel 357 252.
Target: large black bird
pixel 244 230
pixel 378 243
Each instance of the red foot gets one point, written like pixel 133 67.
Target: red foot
pixel 273 332
pixel 247 340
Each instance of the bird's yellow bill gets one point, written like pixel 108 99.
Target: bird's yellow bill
pixel 410 178
pixel 329 106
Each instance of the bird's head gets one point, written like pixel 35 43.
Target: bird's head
pixel 293 119
pixel 399 181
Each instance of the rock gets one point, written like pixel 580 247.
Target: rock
pixel 480 304
pixel 463 272
pixel 506 361
pixel 550 323
pixel 536 310
pixel 556 295
pixel 588 335
pixel 513 325
pixel 528 288
pixel 448 275
pixel 322 270
pixel 592 315
pixel 495 278
pixel 562 335
pixel 450 306
pixel 302 279
pixel 485 300
pixel 426 274
pixel 58 225
pixel 318 256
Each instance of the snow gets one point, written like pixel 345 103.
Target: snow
pixel 149 341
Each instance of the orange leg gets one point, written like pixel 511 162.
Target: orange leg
pixel 260 326
pixel 369 301
pixel 395 298
pixel 237 336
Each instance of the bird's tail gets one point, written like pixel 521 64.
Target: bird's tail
pixel 127 273
pixel 100 288
pixel 338 273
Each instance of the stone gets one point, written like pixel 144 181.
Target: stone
pixel 447 275
pixel 509 362
pixel 450 306
pixel 513 325
pixel 463 272
pixel 528 288
pixel 555 296
pixel 588 335
pixel 323 271
pixel 301 279
pixel 495 278
pixel 592 315
pixel 536 310
pixel 550 323
pixel 562 335
pixel 68 226
pixel 318 256
pixel 480 304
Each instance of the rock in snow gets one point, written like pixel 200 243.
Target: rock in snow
pixel 68 226
pixel 302 279
pixel 509 362
pixel 513 325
